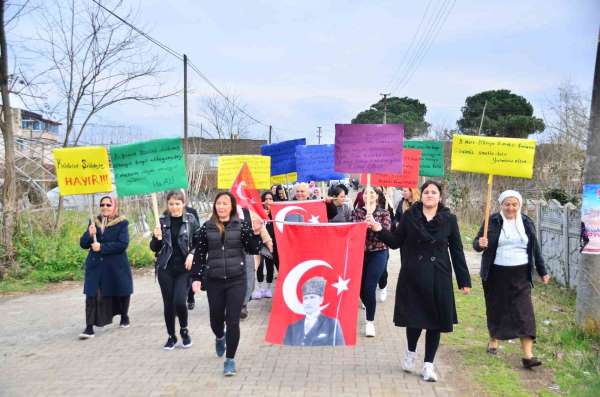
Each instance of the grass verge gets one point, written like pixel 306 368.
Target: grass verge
pixel 571 359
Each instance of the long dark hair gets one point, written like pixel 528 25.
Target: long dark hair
pixel 215 218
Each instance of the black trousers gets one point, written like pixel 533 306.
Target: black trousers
pixel 432 342
pixel 174 288
pixel 225 300
pixel 270 265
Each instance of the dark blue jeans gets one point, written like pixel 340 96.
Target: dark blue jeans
pixel 373 267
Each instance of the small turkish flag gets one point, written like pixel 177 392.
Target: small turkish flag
pixel 311 211
pixel 245 193
pixel 317 293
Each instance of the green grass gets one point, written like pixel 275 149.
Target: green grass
pixel 468 233
pixel 572 357
pixel 47 256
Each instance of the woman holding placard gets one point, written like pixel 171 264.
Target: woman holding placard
pixel 174 243
pixel 108 283
pixel 223 242
pixel 428 237
pixel 376 254
pixel 510 252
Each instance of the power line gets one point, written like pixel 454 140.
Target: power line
pixel 191 65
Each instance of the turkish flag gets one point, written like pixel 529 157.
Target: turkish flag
pixel 318 289
pixel 311 211
pixel 245 193
pixel 411 161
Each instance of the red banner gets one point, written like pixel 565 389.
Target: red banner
pixel 410 172
pixel 317 293
pixel 245 193
pixel 311 211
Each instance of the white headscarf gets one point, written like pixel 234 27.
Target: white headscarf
pixel 519 219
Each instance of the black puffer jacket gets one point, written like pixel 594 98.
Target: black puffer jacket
pixel 534 252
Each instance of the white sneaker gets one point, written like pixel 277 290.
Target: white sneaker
pixel 428 373
pixel 370 329
pixel 383 294
pixel 408 362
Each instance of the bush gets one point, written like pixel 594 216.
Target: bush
pixel 51 256
pixel 561 196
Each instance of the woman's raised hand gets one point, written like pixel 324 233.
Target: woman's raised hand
pixel 158 233
pixel 92 230
pixel 373 224
pixel 483 242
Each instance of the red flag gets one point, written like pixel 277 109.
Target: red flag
pixel 317 293
pixel 245 193
pixel 411 160
pixel 311 211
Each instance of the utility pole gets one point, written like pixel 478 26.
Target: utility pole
pixel 319 134
pixel 270 132
pixel 588 285
pixel 385 106
pixel 185 109
pixel 482 116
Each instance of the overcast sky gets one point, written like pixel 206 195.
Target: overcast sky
pixel 302 64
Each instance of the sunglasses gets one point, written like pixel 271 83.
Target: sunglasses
pixel 106 205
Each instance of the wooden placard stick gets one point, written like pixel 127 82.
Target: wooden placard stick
pixel 155 210
pixel 488 206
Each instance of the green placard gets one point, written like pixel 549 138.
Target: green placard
pixel 432 157
pixel 149 167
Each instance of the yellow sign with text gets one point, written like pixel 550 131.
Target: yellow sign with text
pixel 82 170
pixel 493 156
pixel 284 179
pixel 229 168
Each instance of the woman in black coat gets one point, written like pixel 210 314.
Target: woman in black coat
pixel 510 252
pixel 108 284
pixel 428 237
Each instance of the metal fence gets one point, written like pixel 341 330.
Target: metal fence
pixel 558 231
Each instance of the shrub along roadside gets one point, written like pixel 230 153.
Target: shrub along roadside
pixel 571 359
pixel 46 256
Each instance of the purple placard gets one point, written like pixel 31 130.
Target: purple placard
pixel 361 148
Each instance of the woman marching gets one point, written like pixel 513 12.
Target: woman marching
pixel 428 237
pixel 223 242
pixel 510 252
pixel 375 256
pixel 108 283
pixel 173 242
pixel 270 264
pixel 337 209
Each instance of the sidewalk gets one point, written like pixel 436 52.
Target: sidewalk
pixel 41 356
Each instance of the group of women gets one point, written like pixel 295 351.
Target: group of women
pixel 211 257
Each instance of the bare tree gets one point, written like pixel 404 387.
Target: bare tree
pixel 227 118
pixel 9 196
pixel 560 161
pixel 96 61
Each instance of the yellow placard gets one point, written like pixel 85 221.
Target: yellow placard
pixel 493 156
pixel 82 170
pixel 284 178
pixel 229 168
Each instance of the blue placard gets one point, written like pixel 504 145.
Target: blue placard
pixel 316 163
pixel 283 155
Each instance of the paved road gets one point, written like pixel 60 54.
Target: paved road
pixel 41 356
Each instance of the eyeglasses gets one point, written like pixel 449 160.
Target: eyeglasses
pixel 106 205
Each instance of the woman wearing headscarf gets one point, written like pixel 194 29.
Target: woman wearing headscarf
pixel 430 246
pixel 108 283
pixel 510 252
